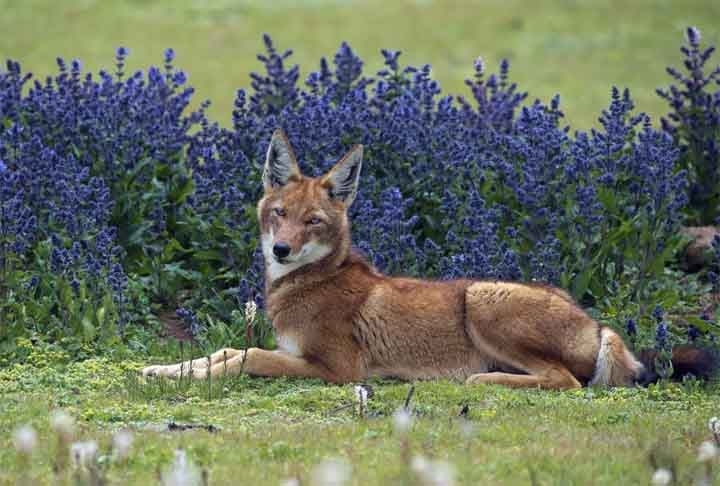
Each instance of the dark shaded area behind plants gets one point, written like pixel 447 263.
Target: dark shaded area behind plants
pixel 119 203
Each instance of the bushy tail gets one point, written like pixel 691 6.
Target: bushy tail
pixel 686 360
pixel 616 365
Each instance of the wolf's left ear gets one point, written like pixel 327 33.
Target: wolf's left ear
pixel 343 179
pixel 280 163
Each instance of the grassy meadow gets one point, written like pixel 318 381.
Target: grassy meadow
pixel 273 430
pixel 577 48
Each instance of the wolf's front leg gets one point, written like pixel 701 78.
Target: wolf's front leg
pixel 254 361
pixel 197 366
pixel 261 362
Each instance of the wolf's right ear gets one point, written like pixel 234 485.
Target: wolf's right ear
pixel 280 164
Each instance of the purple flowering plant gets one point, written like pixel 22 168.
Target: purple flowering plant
pixel 694 123
pixel 92 177
pixel 118 201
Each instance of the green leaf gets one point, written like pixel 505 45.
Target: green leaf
pixel 701 324
pixel 88 328
pixel 175 269
pixel 100 315
pixel 172 248
pixel 180 194
pixel 210 255
pixel 581 282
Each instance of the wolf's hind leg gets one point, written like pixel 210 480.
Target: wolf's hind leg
pixel 551 378
pixel 198 366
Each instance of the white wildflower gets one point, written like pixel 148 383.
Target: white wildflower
pixel 83 454
pixel 662 477
pixel 250 311
pixel 419 465
pixel 402 420
pixel 714 425
pixel 122 442
pixel 362 393
pixel 467 428
pixel 432 473
pixel 707 451
pixel 331 472
pixel 440 474
pixel 290 482
pixel 182 472
pixel 63 424
pixel 25 439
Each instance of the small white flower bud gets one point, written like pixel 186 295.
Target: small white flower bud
pixel 331 472
pixel 290 482
pixel 440 474
pixel 83 453
pixel 122 442
pixel 63 424
pixel 714 425
pixel 182 472
pixel 402 420
pixel 662 477
pixel 362 395
pixel 25 439
pixel 467 428
pixel 250 311
pixel 432 473
pixel 707 451
pixel 419 465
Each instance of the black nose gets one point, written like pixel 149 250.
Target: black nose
pixel 281 249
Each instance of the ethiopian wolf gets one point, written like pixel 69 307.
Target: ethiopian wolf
pixel 338 319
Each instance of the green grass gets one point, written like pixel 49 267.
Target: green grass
pixel 275 429
pixel 577 48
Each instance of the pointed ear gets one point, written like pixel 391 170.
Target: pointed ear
pixel 280 163
pixel 342 180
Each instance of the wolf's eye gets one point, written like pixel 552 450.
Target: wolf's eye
pixel 279 212
pixel 314 221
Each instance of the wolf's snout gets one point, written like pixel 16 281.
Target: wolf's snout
pixel 281 249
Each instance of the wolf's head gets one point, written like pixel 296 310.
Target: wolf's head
pixel 303 220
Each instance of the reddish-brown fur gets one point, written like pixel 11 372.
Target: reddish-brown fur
pixel 340 320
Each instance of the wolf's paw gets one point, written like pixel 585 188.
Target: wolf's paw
pixel 171 371
pixel 174 371
pixel 154 370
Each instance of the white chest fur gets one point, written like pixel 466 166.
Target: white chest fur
pixel 289 344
